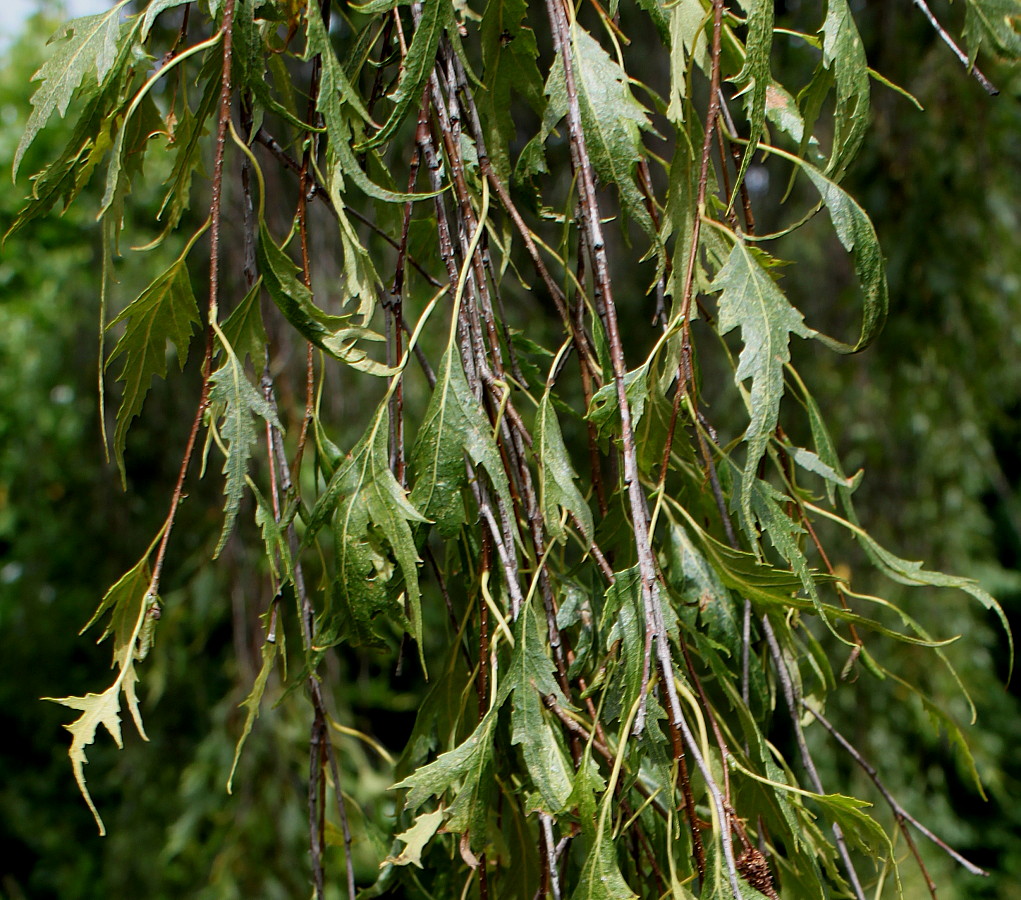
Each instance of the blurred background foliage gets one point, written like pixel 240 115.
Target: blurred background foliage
pixel 932 412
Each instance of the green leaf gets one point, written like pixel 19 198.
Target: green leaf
pixel 997 22
pixel 691 576
pixel 186 146
pixel 623 619
pixel 334 334
pixel 557 476
pixel 252 703
pixel 166 309
pixel 232 396
pixel 370 512
pixel 86 49
pixel 856 233
pixel 244 330
pixel 153 10
pixel 843 51
pixel 751 300
pixel 93 136
pixel 335 90
pixel 415 69
pixel 810 462
pixel 612 120
pixel 509 54
pixel 454 425
pixel 530 675
pixel 915 574
pixel 343 162
pixel 755 75
pixel 600 878
pixel 467 772
pixel 604 409
pixel 687 45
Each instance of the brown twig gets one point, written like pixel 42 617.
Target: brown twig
pixel 265 139
pixel 215 205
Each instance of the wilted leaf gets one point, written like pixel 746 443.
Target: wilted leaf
pixel 415 839
pixel 127 602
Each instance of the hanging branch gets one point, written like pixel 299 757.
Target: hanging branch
pixel 483 450
pixel 902 815
pixel 968 64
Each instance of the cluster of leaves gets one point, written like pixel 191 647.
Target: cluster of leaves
pixel 637 621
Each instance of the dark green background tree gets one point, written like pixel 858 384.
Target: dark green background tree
pixel 462 540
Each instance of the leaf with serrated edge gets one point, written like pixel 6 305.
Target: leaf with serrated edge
pixel 415 69
pixel 468 764
pixel 154 9
pixel 601 878
pixel 230 387
pixel 335 89
pixel 844 52
pixel 365 500
pixel 454 425
pixel 755 75
pixel 687 44
pixel 557 486
pixel 334 334
pixel 509 54
pixel 244 329
pixel 612 120
pixel 996 21
pixel 165 309
pixel 127 600
pixel 415 839
pixel 530 676
pixel 86 48
pixel 751 300
pixel 856 233
pixel 252 703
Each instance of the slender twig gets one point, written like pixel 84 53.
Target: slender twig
pixel 307 621
pixel 901 814
pixel 546 820
pixel 968 64
pixel 215 205
pixel 264 138
pixel 794 708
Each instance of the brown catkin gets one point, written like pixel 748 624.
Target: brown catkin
pixel 755 870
